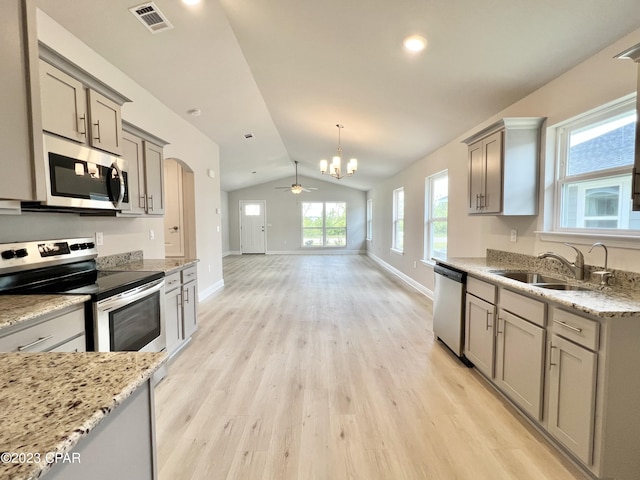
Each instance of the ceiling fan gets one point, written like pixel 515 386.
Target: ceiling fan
pixel 296 188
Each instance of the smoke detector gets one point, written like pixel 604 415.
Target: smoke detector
pixel 151 17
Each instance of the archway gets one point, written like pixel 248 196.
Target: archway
pixel 179 218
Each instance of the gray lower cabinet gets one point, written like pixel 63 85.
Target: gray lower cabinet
pixel 572 395
pixel 181 308
pixel 520 362
pixel 480 334
pixel 61 331
pixel 122 446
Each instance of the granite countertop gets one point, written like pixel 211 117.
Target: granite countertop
pixel 166 265
pixel 598 301
pixel 49 401
pixel 20 308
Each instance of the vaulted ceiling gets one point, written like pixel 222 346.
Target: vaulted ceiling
pixel 288 71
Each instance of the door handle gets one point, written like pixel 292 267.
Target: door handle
pixel 174 228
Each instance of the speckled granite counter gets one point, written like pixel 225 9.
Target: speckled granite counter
pixel 49 401
pixel 607 302
pixel 166 265
pixel 20 308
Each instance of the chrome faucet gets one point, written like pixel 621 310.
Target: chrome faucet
pixel 577 266
pixel 603 274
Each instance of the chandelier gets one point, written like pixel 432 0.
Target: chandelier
pixel 335 167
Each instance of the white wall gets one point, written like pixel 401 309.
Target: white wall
pixel 284 215
pixel 224 202
pixel 185 142
pixel 598 80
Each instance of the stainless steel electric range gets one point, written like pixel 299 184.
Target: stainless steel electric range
pixel 126 312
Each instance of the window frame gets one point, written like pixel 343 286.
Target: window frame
pixel 369 236
pixel 324 225
pixel 561 179
pixel 429 218
pixel 396 219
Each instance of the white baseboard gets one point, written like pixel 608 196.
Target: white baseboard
pixel 231 252
pixel 216 287
pixel 317 252
pixel 405 278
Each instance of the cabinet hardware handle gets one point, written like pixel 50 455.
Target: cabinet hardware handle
pixel 33 344
pixel 97 125
pixel 551 364
pixel 487 326
pixel 570 327
pixel 186 292
pixel 482 204
pixel 477 201
pixel 498 332
pixel 180 300
pixel 83 118
pixel 144 201
pixel 151 203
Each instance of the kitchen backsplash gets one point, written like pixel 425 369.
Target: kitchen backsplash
pixel 111 261
pixel 619 279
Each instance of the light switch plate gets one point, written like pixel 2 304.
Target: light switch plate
pixel 514 235
pixel 99 238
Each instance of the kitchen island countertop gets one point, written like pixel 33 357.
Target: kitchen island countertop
pixel 49 401
pixel 16 309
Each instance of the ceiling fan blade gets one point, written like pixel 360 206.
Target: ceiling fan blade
pixel 286 188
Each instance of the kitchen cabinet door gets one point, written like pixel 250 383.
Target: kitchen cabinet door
pixel 106 123
pixel 479 334
pixel 154 172
pixel 492 154
pixel 20 135
pixel 572 393
pixel 133 152
pixel 520 362
pixel 190 309
pixel 476 176
pixel 64 104
pixel 173 319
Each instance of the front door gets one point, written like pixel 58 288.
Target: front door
pixel 252 226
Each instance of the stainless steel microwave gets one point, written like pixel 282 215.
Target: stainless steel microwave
pixel 79 177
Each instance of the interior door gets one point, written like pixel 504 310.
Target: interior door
pixel 174 210
pixel 252 227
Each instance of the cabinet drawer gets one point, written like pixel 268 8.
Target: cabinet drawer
pixel 189 274
pixel 171 281
pixel 45 335
pixel 524 307
pixel 480 289
pixel 578 329
pixel 78 344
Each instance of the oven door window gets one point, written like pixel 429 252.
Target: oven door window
pixel 135 325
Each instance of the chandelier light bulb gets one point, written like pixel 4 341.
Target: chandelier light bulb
pixel 335 167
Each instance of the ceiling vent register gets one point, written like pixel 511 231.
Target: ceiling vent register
pixel 151 17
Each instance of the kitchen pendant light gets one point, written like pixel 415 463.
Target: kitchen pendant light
pixel 335 168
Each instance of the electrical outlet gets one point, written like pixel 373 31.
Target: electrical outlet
pixel 99 238
pixel 152 235
pixel 209 268
pixel 415 264
pixel 514 235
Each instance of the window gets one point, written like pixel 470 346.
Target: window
pixel 595 159
pixel 436 211
pixel 324 224
pixel 370 219
pixel 398 220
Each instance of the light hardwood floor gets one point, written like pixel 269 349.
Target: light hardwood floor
pixel 325 367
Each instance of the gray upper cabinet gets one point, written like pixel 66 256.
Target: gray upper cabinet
pixel 20 105
pixel 145 179
pixel 503 167
pixel 71 110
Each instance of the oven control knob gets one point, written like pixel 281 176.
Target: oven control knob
pixel 74 247
pixel 8 254
pixel 91 245
pixel 83 246
pixel 21 253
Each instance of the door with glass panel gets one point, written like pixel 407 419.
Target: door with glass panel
pixel 252 227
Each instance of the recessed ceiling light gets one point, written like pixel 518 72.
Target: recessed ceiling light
pixel 415 43
pixel 191 2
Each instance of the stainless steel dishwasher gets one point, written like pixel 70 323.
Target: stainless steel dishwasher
pixel 448 309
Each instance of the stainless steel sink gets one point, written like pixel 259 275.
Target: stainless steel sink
pixel 561 286
pixel 527 277
pixel 539 280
